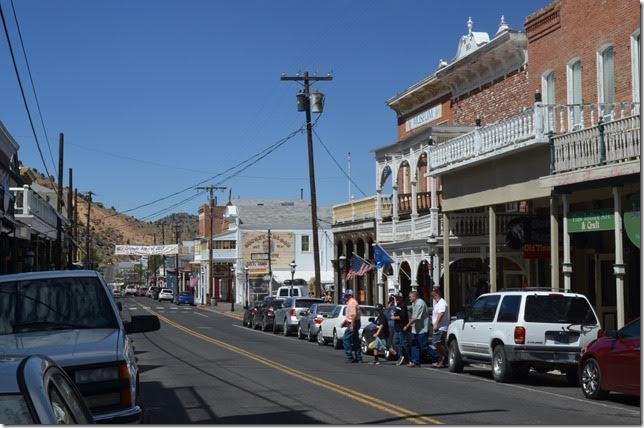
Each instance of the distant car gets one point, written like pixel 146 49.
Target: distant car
pixel 165 294
pixel 265 316
pixel 295 291
pixel 612 363
pixel 249 313
pixel 130 290
pixel 71 317
pixel 332 330
pixel 184 298
pixel 287 318
pixel 116 292
pixel 141 291
pixel 35 390
pixel 312 319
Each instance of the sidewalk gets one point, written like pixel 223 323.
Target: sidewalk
pixel 224 309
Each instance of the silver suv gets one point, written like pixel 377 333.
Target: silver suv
pixel 287 318
pixel 517 330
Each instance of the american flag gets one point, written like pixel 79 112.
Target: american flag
pixel 358 267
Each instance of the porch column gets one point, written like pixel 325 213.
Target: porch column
pixel 367 280
pixel 492 229
pixel 446 257
pixel 434 207
pixel 379 205
pixel 554 242
pixel 414 207
pixel 394 201
pixel 619 268
pixel 413 270
pixel 567 265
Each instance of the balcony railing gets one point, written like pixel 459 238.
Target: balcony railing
pixel 33 210
pixel 423 202
pixel 477 224
pixel 606 143
pixel 386 206
pixel 561 119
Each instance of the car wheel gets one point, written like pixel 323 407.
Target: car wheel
pixel 275 327
pixel 244 323
pixel 337 343
pixel 263 325
pixel 321 340
pixel 501 368
pixel 454 359
pixel 591 380
pixel 251 324
pixel 572 376
pixel 285 329
pixel 300 335
pixel 364 346
pixel 309 336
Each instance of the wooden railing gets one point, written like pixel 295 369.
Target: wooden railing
pixel 477 224
pixel 423 202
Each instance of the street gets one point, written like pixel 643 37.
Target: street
pixel 202 366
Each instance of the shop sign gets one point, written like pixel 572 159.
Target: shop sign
pixel 632 218
pixel 591 221
pixel 536 251
pixel 424 117
pixel 527 230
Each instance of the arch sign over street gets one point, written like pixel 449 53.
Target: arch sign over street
pixel 146 250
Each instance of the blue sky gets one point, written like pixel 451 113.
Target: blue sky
pixel 192 87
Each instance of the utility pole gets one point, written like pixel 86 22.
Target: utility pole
pixel 59 205
pixel 270 266
pixel 70 217
pixel 154 264
pixel 163 243
pixel 88 263
pixel 211 204
pixel 305 98
pixel 75 224
pixel 176 259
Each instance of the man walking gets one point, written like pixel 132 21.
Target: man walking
pixel 401 337
pixel 350 340
pixel 440 322
pixel 419 325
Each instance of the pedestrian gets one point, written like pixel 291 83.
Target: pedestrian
pixel 381 335
pixel 389 312
pixel 350 339
pixel 401 336
pixel 440 322
pixel 419 326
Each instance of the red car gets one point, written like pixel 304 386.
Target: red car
pixel 612 363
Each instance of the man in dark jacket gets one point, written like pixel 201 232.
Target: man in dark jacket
pixel 401 337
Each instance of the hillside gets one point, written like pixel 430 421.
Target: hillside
pixel 109 227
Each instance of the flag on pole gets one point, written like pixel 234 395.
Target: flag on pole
pixel 358 267
pixel 381 257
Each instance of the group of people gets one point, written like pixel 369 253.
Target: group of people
pixel 411 332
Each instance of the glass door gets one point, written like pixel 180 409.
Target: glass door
pixel 605 291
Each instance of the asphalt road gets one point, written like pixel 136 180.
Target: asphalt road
pixel 204 367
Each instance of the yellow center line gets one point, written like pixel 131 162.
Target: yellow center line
pixel 368 400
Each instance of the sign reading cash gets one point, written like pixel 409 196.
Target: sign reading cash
pixel 424 117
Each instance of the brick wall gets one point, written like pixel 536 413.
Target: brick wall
pixel 494 101
pixel 219 224
pixel 446 116
pixel 569 29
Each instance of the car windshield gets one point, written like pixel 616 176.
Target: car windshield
pixel 302 303
pixel 184 294
pixel 165 290
pixel 559 309
pixel 14 410
pixel 325 309
pixel 54 303
pixel 277 304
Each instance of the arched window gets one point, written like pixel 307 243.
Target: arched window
pixel 574 94
pixel 606 81
pixel 635 65
pixel 548 92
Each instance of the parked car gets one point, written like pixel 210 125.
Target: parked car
pixel 116 292
pixel 151 291
pixel 612 363
pixel 311 320
pixel 287 318
pixel 35 390
pixel 516 330
pixel 367 337
pixel 265 315
pixel 184 298
pixel 295 291
pixel 71 317
pixel 165 294
pixel 249 313
pixel 130 290
pixel 141 291
pixel 331 328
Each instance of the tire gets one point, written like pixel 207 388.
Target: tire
pixel 320 339
pixel 501 368
pixel 244 323
pixel 309 336
pixel 263 325
pixel 454 358
pixel 300 335
pixel 591 380
pixel 275 331
pixel 285 329
pixel 251 325
pixel 364 346
pixel 337 344
pixel 572 376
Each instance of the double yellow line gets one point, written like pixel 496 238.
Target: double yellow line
pixel 367 400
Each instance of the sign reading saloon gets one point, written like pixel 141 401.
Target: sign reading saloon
pixel 424 117
pixel 591 221
pixel 256 243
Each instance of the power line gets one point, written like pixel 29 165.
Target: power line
pixel 337 164
pixel 33 86
pixel 22 92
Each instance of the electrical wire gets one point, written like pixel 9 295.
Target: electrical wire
pixel 33 86
pixel 22 92
pixel 337 164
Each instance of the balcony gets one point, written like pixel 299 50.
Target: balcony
pixel 423 202
pixel 34 212
pixel 355 210
pixel 477 224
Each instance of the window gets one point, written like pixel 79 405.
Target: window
pixel 484 309
pixel 509 310
pixel 631 331
pixel 606 81
pixel 225 245
pixel 574 95
pixel 558 308
pixel 548 94
pixel 305 243
pixel 635 65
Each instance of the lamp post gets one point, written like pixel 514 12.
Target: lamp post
pixel 293 266
pixel 247 287
pixel 432 242
pixel 342 263
pixel 232 288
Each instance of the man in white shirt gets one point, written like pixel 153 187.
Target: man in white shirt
pixel 440 322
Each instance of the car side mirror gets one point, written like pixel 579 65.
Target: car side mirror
pixel 119 305
pixel 325 315
pixel 142 324
pixel 461 315
pixel 372 319
pixel 304 313
pixel 611 334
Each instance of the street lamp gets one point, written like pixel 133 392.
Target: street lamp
pixel 293 266
pixel 247 286
pixel 342 263
pixel 432 242
pixel 232 288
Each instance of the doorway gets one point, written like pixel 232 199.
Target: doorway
pixel 605 290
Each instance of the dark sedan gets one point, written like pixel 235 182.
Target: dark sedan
pixel 312 319
pixel 249 313
pixel 612 363
pixel 265 316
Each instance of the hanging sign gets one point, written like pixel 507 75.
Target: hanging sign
pixel 146 250
pixel 591 221
pixel 632 218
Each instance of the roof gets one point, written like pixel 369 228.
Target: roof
pixel 279 214
pixel 49 274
